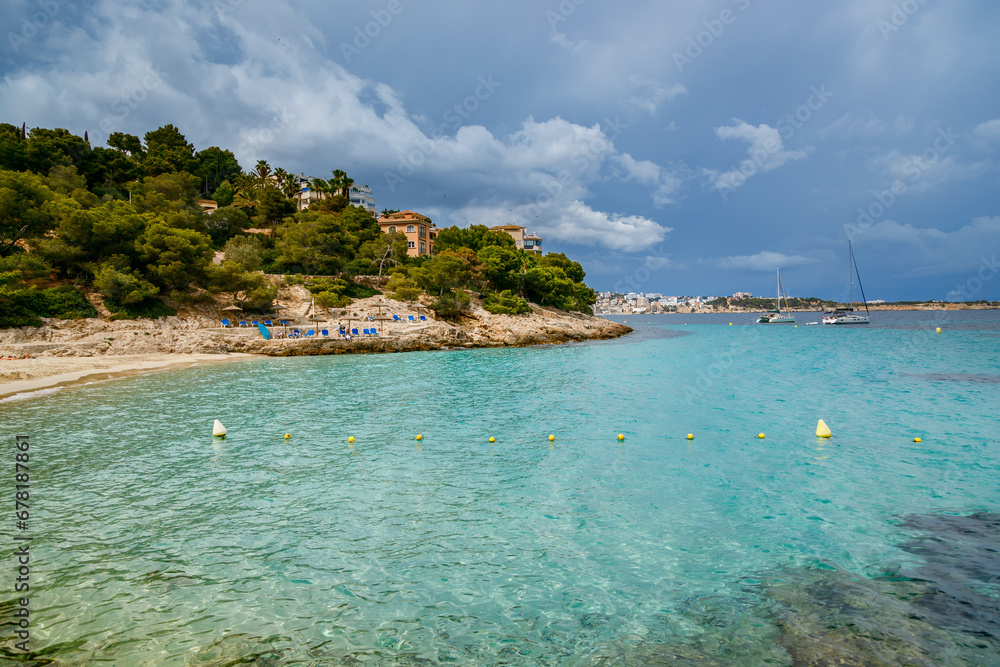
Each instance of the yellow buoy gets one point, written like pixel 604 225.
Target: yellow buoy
pixel 218 430
pixel 621 436
pixel 350 439
pixel 690 436
pixel 492 439
pixel 822 430
pixel 938 330
pixel 760 435
pixel 419 437
pixel 917 440
pixel 730 324
pixel 551 438
pixel 288 437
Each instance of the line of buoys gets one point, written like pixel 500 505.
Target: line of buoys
pixel 822 430
pixel 218 430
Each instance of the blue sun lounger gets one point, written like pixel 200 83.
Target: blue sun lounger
pixel 410 318
pixel 395 318
pixel 226 324
pixel 374 331
pixel 310 333
pixel 354 332
pixel 423 318
pixel 325 333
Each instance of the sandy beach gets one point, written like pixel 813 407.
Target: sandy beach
pixel 67 353
pixel 23 376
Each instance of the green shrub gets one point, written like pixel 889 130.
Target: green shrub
pixel 24 307
pixel 147 309
pixel 505 303
pixel 451 305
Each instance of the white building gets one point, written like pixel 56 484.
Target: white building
pixel 361 195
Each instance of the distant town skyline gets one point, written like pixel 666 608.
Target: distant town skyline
pixel 679 148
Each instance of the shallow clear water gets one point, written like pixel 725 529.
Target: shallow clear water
pixel 157 544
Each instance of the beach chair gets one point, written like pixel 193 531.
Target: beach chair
pixel 325 333
pixel 255 323
pixel 374 332
pixel 366 332
pixel 243 323
pixel 411 319
pixel 310 333
pixel 226 324
pixel 268 323
pixel 423 318
pixel 395 318
pixel 295 333
pixel 354 332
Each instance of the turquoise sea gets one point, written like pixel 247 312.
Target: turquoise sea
pixel 155 544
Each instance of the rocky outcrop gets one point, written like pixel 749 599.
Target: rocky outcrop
pixel 199 332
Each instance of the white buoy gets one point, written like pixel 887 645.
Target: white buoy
pixel 218 429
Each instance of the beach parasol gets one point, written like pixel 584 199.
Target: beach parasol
pixel 234 308
pixel 383 318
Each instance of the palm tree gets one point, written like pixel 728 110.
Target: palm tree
pixel 246 191
pixel 346 183
pixel 337 182
pixel 262 173
pixel 320 187
pixel 290 186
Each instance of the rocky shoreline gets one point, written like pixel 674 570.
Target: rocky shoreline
pixel 64 346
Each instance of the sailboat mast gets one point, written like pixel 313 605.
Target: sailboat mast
pixel 850 272
pixel 860 286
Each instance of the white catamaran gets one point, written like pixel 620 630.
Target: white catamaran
pixel 847 315
pixel 775 316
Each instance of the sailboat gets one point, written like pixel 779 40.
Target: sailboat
pixel 775 316
pixel 847 315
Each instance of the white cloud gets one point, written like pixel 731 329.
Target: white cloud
pixel 765 260
pixel 988 132
pixel 928 171
pixel 766 153
pixel 286 103
pixel 647 94
pixel 578 223
pixel 865 124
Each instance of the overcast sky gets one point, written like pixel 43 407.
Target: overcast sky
pixel 676 147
